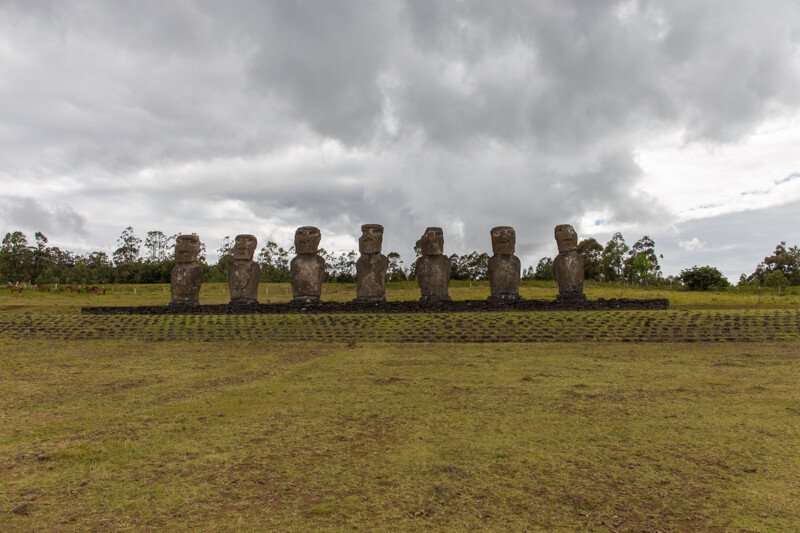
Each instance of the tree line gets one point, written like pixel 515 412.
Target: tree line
pixel 150 260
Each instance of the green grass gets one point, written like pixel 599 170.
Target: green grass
pixel 314 436
pixel 501 421
pixel 217 293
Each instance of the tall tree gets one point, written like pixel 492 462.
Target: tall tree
pixel 395 272
pixel 41 260
pixel 787 260
pixel 128 244
pixel 544 269
pixel 274 262
pixel 472 266
pixel 16 258
pixel 641 264
pixel 613 257
pixel 225 254
pixel 592 253
pixel 155 245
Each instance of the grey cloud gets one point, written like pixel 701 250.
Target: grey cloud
pixel 31 215
pixel 734 242
pixel 463 114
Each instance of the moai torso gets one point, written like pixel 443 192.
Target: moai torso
pixel 244 274
pixel 433 277
pixel 307 268
pixel 371 265
pixel 308 273
pixel 568 269
pixel 504 266
pixel 243 278
pixel 433 268
pixel 568 264
pixel 504 271
pixel 187 274
pixel 371 278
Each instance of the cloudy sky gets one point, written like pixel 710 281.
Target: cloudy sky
pixel 676 119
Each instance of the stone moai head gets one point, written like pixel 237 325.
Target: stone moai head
pixel 432 242
pixel 504 240
pixel 566 238
pixel 187 248
pixel 244 247
pixel 371 239
pixel 306 240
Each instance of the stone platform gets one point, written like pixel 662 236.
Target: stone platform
pixel 620 304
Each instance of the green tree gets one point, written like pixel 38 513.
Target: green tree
pixel 274 262
pixel 702 278
pixel 40 260
pixel 787 260
pixel 613 258
pixel 472 266
pixel 592 253
pixel 395 271
pixel 128 245
pixel 641 265
pixel 544 269
pixel 16 258
pixel 776 279
pixel 225 255
pixel 155 245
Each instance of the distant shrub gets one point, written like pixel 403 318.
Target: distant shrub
pixel 702 278
pixel 776 279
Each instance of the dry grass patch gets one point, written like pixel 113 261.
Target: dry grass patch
pixel 302 436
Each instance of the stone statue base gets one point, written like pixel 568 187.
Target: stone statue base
pixel 184 305
pixel 434 299
pixel 370 299
pixel 571 297
pixel 305 300
pixel 244 302
pixel 505 298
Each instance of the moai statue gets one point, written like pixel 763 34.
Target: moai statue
pixel 504 266
pixel 371 266
pixel 244 273
pixel 433 268
pixel 187 274
pixel 568 265
pixel 307 267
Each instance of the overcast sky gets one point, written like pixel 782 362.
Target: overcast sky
pixel 676 119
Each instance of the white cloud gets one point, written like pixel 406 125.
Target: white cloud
pixel 692 244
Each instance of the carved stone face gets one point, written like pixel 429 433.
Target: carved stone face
pixel 371 239
pixel 504 240
pixel 187 248
pixel 306 240
pixel 432 241
pixel 244 247
pixel 566 238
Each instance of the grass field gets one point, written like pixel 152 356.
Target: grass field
pixel 687 419
pixel 217 293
